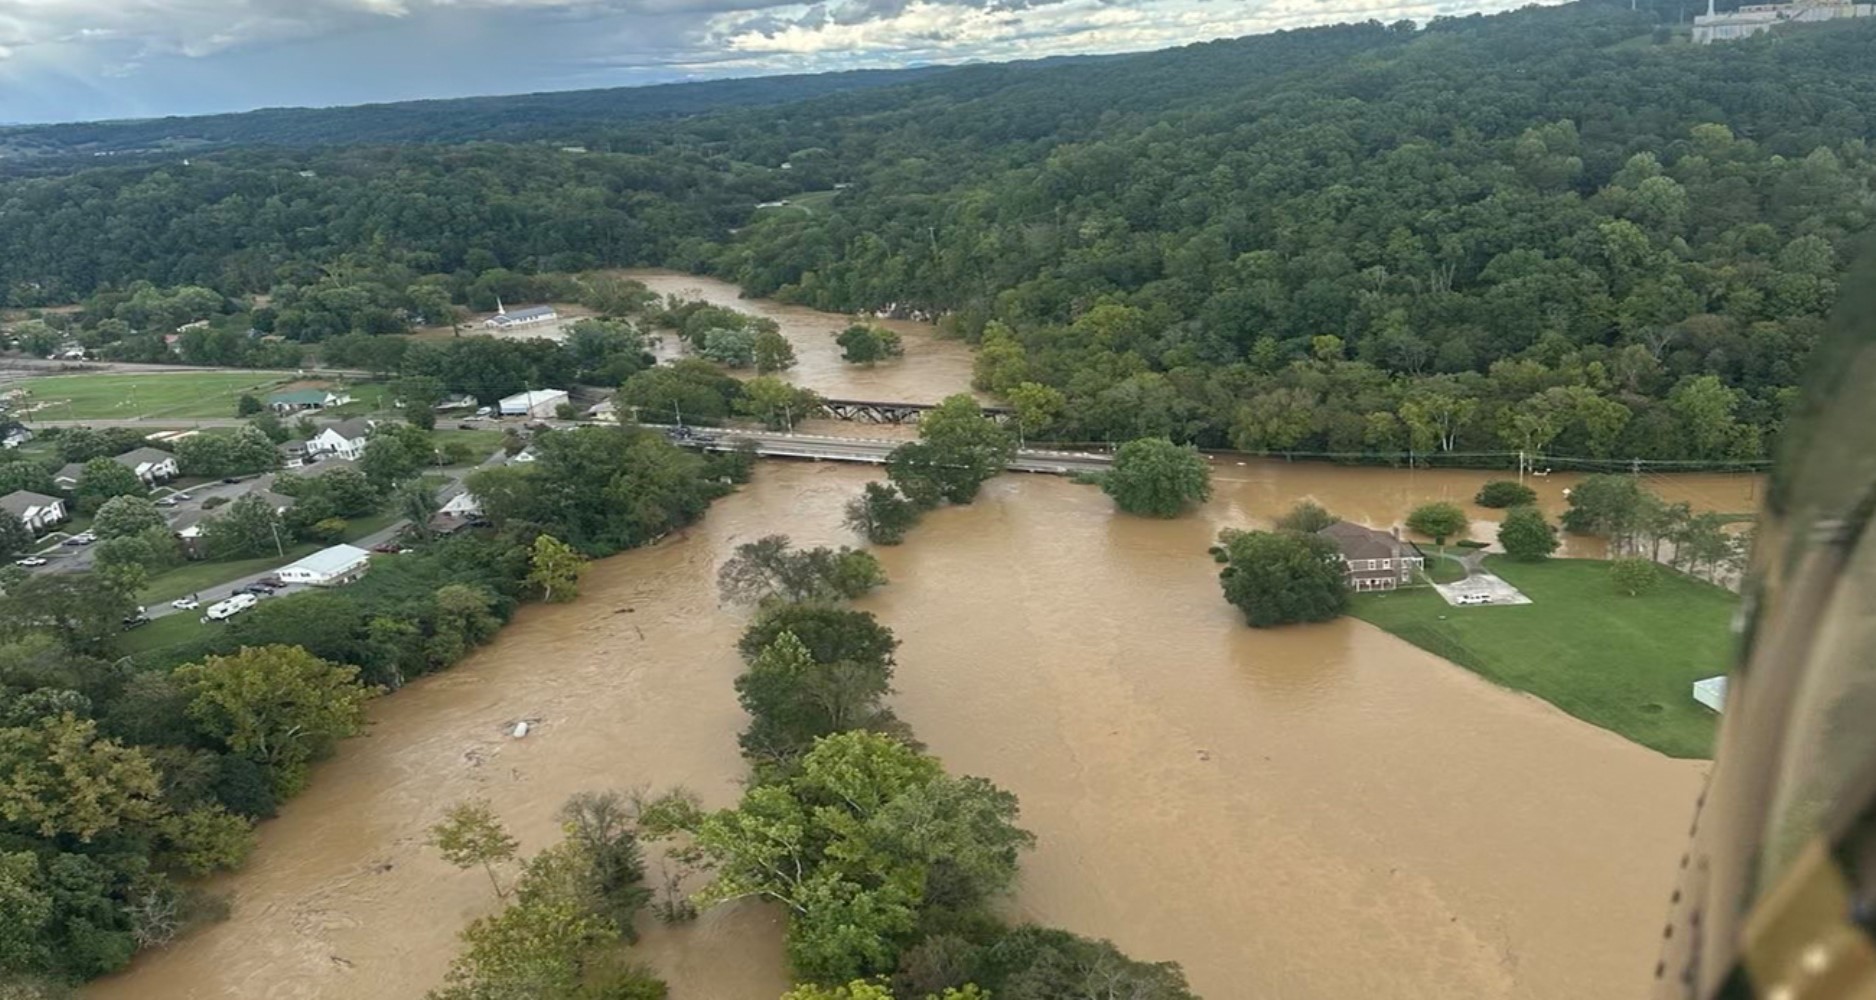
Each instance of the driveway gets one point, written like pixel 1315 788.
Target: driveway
pixel 1480 580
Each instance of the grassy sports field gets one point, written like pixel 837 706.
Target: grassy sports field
pixel 1627 664
pixel 143 395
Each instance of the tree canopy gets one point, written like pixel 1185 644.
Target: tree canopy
pixel 1283 577
pixel 1154 477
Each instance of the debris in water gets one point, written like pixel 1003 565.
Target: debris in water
pixel 1205 755
pixel 521 729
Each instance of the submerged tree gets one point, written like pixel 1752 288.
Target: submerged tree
pixel 1277 578
pixel 1156 478
pixel 768 569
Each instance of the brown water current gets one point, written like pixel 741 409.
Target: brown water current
pixel 932 368
pixel 1312 812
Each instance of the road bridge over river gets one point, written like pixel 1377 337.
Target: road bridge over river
pixel 872 451
pixel 871 411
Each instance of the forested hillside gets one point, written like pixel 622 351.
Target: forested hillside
pixel 1560 230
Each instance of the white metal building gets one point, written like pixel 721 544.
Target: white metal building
pixel 534 316
pixel 328 567
pixel 533 403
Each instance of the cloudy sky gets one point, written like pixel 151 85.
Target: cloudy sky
pixel 65 60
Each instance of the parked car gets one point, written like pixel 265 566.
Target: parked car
pixel 189 603
pixel 1475 598
pixel 169 501
pixel 272 582
pixel 388 548
pixel 137 620
pixel 231 479
pixel 82 539
pixel 256 590
pixel 231 607
pixel 483 411
pixel 465 427
pixel 29 562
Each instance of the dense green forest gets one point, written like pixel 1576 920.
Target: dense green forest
pixel 1560 231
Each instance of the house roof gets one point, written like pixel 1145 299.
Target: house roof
pixel 71 471
pixel 143 456
pixel 299 397
pixel 1358 542
pixel 19 502
pixel 324 466
pixel 352 430
pixel 520 315
pixel 326 562
pixel 535 397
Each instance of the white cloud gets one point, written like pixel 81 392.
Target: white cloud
pixel 67 59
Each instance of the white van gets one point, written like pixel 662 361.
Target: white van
pixel 1475 598
pixel 232 606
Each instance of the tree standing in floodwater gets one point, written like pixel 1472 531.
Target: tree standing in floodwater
pixel 1155 478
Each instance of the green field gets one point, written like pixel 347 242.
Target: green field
pixel 182 395
pixel 1626 664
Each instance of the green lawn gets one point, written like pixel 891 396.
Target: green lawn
pixel 483 441
pixel 183 395
pixel 1626 664
pixel 170 630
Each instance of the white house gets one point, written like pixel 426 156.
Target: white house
pixel 533 403
pixel 328 567
pixel 307 399
pixel 505 320
pixel 459 502
pixel 35 510
pixel 16 437
pixel 150 465
pixel 603 412
pixel 345 439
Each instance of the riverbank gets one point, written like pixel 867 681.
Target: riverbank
pixel 1626 664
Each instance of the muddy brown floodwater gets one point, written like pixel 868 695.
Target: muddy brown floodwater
pixel 1311 813
pixel 932 368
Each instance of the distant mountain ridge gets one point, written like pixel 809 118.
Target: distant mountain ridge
pixel 514 117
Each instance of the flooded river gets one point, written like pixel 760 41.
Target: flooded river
pixel 1314 812
pixel 1310 813
pixel 932 368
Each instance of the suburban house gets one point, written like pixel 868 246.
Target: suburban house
pixel 16 437
pixel 1371 559
pixel 459 502
pixel 505 320
pixel 603 412
pixel 345 439
pixel 459 507
pixel 188 524
pixel 173 341
pixel 151 465
pixel 35 510
pixel 307 399
pixel 292 454
pixel 328 567
pixel 67 476
pixel 533 403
